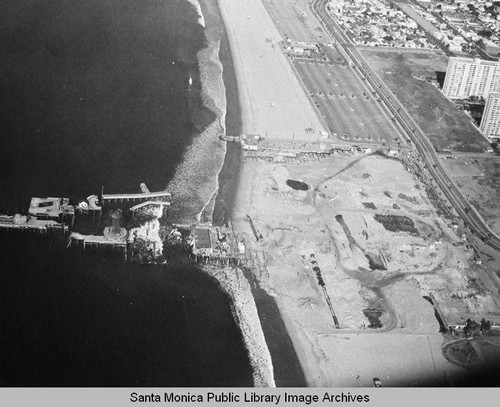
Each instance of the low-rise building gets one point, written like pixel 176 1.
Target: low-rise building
pixel 56 209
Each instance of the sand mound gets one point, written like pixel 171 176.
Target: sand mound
pixel 414 313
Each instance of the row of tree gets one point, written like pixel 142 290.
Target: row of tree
pixel 472 327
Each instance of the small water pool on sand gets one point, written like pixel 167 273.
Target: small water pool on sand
pixel 297 185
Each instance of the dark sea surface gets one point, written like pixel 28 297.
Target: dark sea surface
pixel 90 98
pixel 94 93
pixel 70 319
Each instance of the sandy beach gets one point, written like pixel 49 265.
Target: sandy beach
pixel 272 100
pixel 196 186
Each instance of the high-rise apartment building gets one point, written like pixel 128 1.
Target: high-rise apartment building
pixel 490 123
pixel 467 77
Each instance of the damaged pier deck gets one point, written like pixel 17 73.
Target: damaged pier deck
pixel 137 198
pixel 218 245
pixel 97 242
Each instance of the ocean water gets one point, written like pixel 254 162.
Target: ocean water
pixel 73 320
pixel 95 93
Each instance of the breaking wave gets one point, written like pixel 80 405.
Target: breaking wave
pixel 194 188
pixel 201 18
pixel 195 182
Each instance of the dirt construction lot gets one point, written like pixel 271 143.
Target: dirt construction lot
pixel 479 179
pixel 358 250
pixel 405 73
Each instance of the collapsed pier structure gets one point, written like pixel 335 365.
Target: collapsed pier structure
pixel 44 215
pixel 115 222
pixel 129 226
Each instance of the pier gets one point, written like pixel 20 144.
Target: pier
pixel 95 223
pixel 92 242
pixel 28 224
pixel 138 202
pixel 44 215
pixel 136 198
pixel 207 244
pixel 129 225
pixel 255 146
pixel 277 150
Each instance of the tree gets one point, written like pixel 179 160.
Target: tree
pixel 485 325
pixel 471 327
pixel 485 33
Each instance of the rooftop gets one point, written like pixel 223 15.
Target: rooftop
pixel 50 207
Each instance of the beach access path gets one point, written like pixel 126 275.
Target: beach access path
pixel 273 101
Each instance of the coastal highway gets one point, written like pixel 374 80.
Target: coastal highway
pixel 464 209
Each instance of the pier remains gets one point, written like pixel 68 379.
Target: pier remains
pixel 125 223
pixel 44 215
pixel 295 149
pixel 208 244
pixel 129 225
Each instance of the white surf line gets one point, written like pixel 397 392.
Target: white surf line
pixel 205 156
pixel 233 282
pixel 216 190
pixel 201 17
pixel 222 106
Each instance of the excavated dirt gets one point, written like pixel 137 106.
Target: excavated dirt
pixel 416 247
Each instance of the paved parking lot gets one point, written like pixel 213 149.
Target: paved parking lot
pixel 290 20
pixel 345 103
pixel 350 110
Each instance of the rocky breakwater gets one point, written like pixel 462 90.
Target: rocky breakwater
pixel 236 286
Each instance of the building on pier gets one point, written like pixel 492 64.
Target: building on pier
pixel 149 206
pixel 134 199
pixel 218 245
pixel 29 224
pixel 44 215
pixel 55 209
pixel 250 141
pixel 138 202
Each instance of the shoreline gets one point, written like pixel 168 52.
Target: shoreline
pixel 285 363
pixel 229 174
pixel 273 102
pixel 231 281
pixel 195 181
pixel 293 227
pixel 271 351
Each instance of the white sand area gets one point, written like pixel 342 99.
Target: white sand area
pixel 273 101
